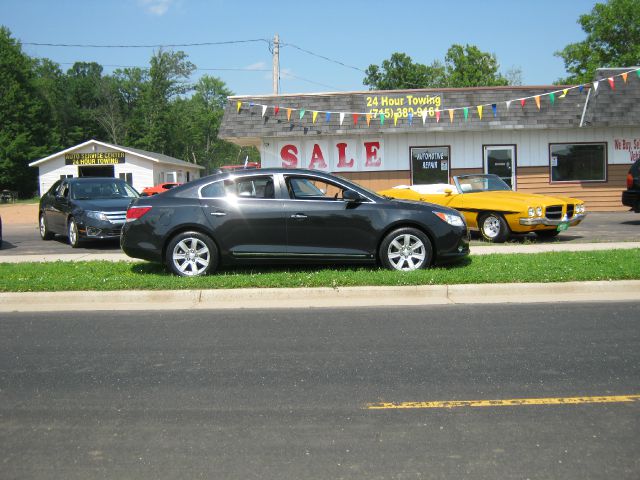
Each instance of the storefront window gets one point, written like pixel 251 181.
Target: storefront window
pixel 429 165
pixel 578 162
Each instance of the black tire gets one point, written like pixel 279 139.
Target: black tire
pixel 406 249
pixel 191 254
pixel 493 227
pixel 73 234
pixel 547 233
pixel 45 233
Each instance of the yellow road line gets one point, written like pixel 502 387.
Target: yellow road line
pixel 504 403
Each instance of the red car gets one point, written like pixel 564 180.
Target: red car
pixel 162 187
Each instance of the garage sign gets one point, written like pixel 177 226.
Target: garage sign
pixel 95 158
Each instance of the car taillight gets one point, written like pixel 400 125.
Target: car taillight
pixel 629 180
pixel 133 213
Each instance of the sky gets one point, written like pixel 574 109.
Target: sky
pixel 325 45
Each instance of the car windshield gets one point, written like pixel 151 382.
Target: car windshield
pixel 102 189
pixel 480 183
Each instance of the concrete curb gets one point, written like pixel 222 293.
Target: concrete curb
pixel 274 298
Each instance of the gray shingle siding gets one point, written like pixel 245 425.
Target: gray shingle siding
pixel 605 107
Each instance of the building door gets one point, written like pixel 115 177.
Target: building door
pixel 96 171
pixel 500 160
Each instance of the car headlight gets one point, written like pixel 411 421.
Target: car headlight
pixel 532 211
pixel 580 208
pixel 451 219
pixel 96 215
pixel 539 211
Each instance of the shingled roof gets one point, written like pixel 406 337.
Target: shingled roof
pixel 604 107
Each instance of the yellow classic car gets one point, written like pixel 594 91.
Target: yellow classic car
pixel 490 206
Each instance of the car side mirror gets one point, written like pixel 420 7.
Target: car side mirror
pixel 352 196
pixel 447 192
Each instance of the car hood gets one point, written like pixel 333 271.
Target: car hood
pixel 504 197
pixel 104 204
pixel 419 205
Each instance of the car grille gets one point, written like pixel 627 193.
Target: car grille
pixel 116 217
pixel 554 212
pixel 570 208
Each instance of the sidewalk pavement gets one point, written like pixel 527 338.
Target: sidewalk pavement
pixel 279 298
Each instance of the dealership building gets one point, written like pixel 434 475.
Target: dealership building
pixel 575 140
pixel 93 158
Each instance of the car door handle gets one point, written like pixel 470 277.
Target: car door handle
pixel 299 216
pixel 218 214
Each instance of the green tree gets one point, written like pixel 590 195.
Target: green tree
pixel 25 124
pixel 468 66
pixel 168 77
pixel 83 84
pixel 613 40
pixel 131 85
pixel 400 72
pixel 464 66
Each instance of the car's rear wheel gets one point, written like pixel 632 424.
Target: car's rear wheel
pixel 190 254
pixel 493 227
pixel 73 234
pixel 547 233
pixel 45 234
pixel 406 249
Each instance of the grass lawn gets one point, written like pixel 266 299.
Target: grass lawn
pixel 497 268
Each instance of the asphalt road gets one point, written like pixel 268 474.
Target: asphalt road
pixel 284 394
pixel 598 227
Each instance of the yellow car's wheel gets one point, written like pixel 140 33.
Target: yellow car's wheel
pixel 493 227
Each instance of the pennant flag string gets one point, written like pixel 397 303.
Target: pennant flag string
pixel 552 98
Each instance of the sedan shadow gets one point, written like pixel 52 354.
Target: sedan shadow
pixel 107 245
pixel 151 268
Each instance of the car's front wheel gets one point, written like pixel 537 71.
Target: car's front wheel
pixel 493 227
pixel 406 249
pixel 45 234
pixel 73 234
pixel 190 254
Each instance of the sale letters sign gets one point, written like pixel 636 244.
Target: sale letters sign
pixel 332 155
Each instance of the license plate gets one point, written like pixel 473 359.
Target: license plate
pixel 563 226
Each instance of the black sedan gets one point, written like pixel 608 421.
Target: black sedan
pixel 296 216
pixel 85 208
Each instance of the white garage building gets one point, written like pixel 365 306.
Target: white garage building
pixel 139 168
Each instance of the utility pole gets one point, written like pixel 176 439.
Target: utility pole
pixel 276 65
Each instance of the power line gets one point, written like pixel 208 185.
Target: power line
pixel 284 76
pixel 202 44
pixel 323 57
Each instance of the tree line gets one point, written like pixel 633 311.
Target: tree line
pixel 45 109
